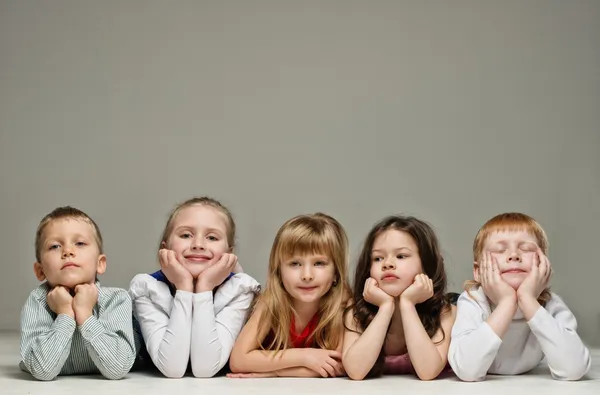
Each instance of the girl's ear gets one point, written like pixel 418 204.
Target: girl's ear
pixel 163 244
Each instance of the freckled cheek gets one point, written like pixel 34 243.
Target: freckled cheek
pixel 528 259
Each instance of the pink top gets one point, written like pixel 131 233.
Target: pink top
pixel 398 364
pixel 401 364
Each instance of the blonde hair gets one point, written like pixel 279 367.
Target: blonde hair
pixel 306 234
pixel 202 201
pixel 509 222
pixel 66 212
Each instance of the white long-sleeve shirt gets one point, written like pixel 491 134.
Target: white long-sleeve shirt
pixel 476 350
pixel 191 326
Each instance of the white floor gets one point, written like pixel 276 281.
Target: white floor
pixel 14 381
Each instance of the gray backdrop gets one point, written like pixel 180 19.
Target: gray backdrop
pixel 451 111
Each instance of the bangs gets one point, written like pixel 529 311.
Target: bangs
pixel 510 222
pixel 304 241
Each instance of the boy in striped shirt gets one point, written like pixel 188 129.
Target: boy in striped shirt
pixel 70 324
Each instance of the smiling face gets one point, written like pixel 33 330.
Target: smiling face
pixel 515 252
pixel 395 261
pixel 198 237
pixel 69 253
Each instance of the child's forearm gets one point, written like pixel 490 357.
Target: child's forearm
pixel 44 354
pixel 424 355
pixel 167 338
pixel 501 317
pixel 109 338
pixel 474 344
pixel 261 361
pixel 213 336
pixel 299 371
pixel 113 352
pixel 529 306
pixel 360 357
pixel 568 358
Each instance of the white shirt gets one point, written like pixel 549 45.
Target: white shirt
pixel 191 326
pixel 476 350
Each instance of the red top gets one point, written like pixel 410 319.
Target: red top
pixel 300 340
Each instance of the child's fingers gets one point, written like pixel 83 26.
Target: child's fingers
pixel 224 260
pixel 162 257
pixel 323 372
pixel 172 258
pixel 536 258
pixel 232 260
pixel 329 367
pixel 335 354
pixel 542 268
pixel 489 270
pixel 546 261
pixel 535 269
pixel 495 272
pixel 482 271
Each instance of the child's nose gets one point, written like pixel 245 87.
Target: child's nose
pixel 514 256
pixel 389 264
pixel 198 244
pixel 307 273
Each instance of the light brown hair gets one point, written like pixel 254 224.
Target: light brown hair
pixel 66 212
pixel 203 201
pixel 302 235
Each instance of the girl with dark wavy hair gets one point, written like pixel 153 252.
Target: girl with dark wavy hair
pixel 400 318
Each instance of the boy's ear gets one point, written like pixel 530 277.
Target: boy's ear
pixel 39 271
pixel 230 250
pixel 476 272
pixel 163 244
pixel 101 268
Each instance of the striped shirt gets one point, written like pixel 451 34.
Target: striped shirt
pixel 54 345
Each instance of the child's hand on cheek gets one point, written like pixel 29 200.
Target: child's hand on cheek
pixel 175 272
pixel 216 274
pixel 495 288
pixel 375 295
pixel 419 291
pixel 537 279
pixel 60 301
pixel 86 297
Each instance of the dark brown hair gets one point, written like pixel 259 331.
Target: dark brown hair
pixel 433 266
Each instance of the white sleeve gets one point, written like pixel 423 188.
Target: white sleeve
pixel 213 336
pixel 555 328
pixel 167 334
pixel 474 345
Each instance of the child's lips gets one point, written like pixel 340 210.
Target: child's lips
pixel 307 289
pixel 69 265
pixel 197 258
pixel 513 271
